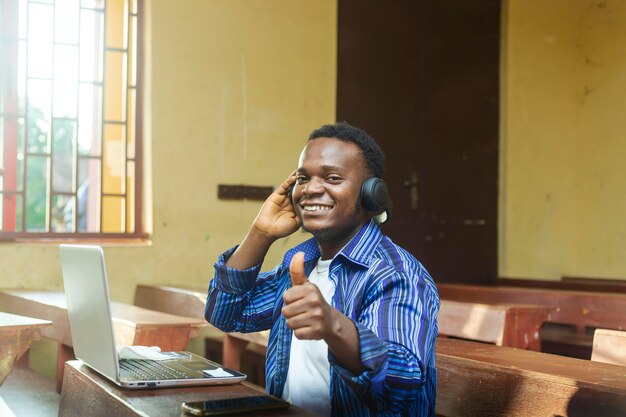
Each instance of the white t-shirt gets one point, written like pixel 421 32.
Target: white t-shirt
pixel 308 378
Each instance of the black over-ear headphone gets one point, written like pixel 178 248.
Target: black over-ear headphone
pixel 375 196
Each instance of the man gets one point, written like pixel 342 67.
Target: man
pixel 365 319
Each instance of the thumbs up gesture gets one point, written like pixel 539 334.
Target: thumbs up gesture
pixel 306 311
pixel 296 269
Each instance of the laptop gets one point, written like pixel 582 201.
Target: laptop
pixel 89 311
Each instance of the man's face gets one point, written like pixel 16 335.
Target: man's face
pixel 326 196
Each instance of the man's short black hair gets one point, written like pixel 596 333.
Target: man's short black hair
pixel 373 155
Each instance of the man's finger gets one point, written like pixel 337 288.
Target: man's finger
pixel 296 269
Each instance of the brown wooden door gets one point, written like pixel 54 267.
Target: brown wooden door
pixel 422 78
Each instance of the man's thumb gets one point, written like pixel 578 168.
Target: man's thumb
pixel 296 269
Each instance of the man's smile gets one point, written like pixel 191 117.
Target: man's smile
pixel 315 207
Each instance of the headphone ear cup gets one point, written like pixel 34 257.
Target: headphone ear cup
pixel 374 194
pixel 290 194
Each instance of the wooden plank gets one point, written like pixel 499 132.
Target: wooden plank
pixel 87 394
pixel 511 325
pixel 187 302
pixel 567 283
pixel 475 379
pixel 609 346
pixel 16 335
pixel 481 322
pixel 10 321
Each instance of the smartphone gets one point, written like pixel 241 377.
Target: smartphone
pixel 233 405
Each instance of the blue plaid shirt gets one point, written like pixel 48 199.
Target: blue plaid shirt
pixel 382 288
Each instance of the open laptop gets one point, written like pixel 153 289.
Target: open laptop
pixel 89 310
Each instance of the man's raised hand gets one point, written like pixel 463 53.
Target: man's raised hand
pixel 277 218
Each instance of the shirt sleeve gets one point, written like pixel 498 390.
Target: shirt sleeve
pixel 241 300
pixel 397 329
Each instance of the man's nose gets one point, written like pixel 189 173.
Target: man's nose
pixel 314 186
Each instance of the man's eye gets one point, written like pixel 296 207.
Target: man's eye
pixel 300 180
pixel 334 178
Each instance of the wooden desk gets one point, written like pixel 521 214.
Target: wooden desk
pixel 568 330
pixel 87 394
pixel 579 308
pixel 512 325
pixel 132 325
pixel 190 303
pixel 16 335
pixel 609 346
pixel 476 379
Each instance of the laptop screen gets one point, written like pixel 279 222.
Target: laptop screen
pixel 88 306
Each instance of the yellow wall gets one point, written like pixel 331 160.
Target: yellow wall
pixel 232 90
pixel 563 139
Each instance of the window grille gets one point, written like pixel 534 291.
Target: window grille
pixel 70 125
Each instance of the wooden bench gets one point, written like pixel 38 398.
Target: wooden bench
pixel 513 325
pixel 475 379
pixel 190 303
pixel 16 335
pixel 576 314
pixel 132 325
pixel 504 325
pixel 609 346
pixel 86 394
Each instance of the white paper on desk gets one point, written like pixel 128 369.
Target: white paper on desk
pixel 217 372
pixel 141 352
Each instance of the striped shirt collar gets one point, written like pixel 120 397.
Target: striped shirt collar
pixel 357 250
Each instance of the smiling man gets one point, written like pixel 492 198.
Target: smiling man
pixel 352 315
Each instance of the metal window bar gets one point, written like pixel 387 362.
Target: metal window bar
pixel 125 221
pixel 102 110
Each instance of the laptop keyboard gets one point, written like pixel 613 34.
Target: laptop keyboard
pixel 145 370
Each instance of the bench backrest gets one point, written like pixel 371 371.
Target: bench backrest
pixel 579 308
pixel 609 346
pixel 172 300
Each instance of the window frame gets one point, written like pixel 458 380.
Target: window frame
pixel 9 70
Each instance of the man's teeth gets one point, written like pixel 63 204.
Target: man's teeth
pixel 316 208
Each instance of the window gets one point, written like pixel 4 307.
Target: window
pixel 70 125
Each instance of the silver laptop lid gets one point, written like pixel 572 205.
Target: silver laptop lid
pixel 88 307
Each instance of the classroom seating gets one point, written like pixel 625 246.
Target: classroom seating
pixel 504 325
pixel 609 346
pixel 513 325
pixel 132 325
pixel 87 394
pixel 576 314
